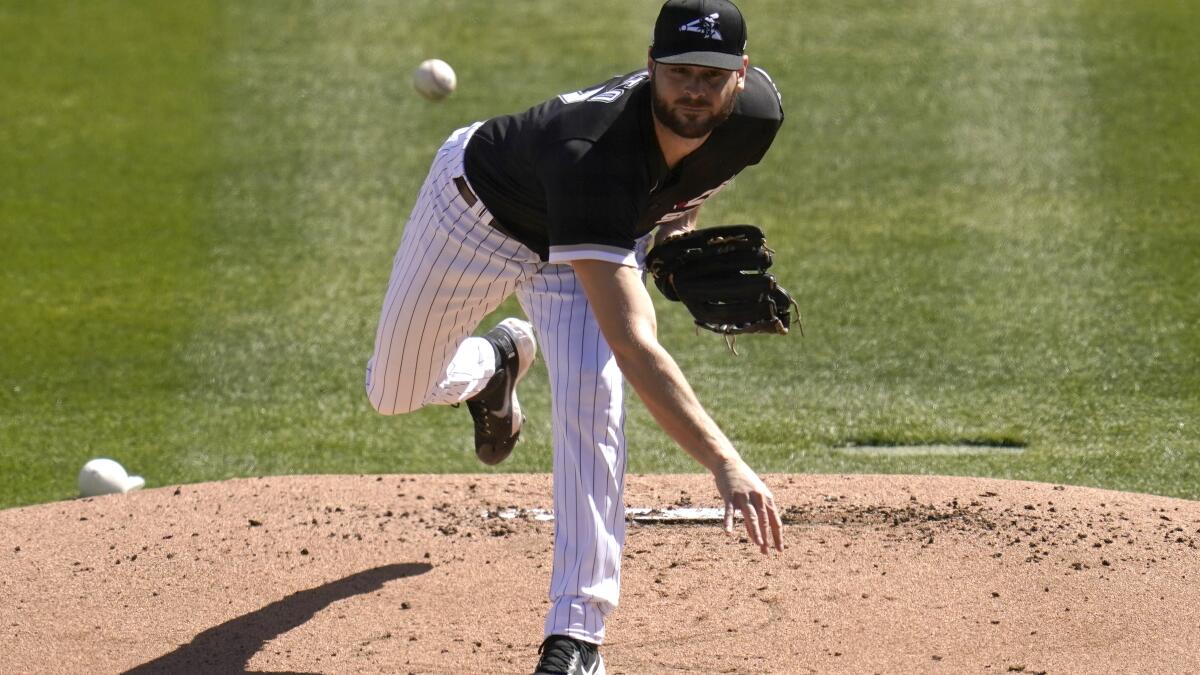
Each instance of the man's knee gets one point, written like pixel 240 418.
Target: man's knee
pixel 390 403
pixel 389 406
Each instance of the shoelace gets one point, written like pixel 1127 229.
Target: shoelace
pixel 481 420
pixel 483 423
pixel 558 657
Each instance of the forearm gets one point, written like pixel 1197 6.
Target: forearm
pixel 664 390
pixel 625 313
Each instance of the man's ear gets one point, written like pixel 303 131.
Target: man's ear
pixel 741 74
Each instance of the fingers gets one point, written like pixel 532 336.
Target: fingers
pixel 776 524
pixel 743 491
pixel 762 508
pixel 750 514
pixel 764 523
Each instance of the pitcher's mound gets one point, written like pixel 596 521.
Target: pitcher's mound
pixel 334 574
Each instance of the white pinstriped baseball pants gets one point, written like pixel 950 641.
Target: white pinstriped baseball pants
pixel 451 270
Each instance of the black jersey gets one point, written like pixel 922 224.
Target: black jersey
pixel 582 176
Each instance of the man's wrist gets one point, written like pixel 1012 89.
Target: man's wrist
pixel 670 231
pixel 720 458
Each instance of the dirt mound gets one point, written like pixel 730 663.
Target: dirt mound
pixel 333 574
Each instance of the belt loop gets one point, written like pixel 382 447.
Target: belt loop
pixel 465 191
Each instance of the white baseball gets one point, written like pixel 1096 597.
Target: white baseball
pixel 434 79
pixel 104 476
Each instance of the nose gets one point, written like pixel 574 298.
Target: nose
pixel 693 86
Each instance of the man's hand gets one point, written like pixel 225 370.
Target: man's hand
pixel 743 490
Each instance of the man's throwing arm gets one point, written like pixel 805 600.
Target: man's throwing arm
pixel 625 314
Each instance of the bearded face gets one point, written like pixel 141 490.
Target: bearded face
pixel 691 101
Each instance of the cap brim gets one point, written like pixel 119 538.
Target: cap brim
pixel 706 59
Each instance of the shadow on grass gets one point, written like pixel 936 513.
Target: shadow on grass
pixel 227 648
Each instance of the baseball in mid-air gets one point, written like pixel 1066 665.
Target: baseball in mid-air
pixel 434 79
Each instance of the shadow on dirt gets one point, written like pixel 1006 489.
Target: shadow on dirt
pixel 227 648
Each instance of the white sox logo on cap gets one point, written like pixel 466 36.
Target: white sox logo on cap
pixel 705 25
pixel 705 33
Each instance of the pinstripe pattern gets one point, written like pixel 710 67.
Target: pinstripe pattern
pixel 589 454
pixel 451 270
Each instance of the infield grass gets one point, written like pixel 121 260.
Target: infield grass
pixel 986 211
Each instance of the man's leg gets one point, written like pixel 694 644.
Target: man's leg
pixel 589 454
pixel 451 269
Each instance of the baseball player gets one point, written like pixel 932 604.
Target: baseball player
pixel 558 204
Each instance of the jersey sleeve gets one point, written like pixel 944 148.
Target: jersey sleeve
pixel 591 211
pixel 761 107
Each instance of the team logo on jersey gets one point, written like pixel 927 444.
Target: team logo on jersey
pixel 705 25
pixel 683 208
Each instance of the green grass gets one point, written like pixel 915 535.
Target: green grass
pixel 986 211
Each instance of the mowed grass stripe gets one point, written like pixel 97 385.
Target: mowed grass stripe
pixel 276 341
pixel 1036 283
pixel 1150 182
pixel 1143 68
pixel 104 122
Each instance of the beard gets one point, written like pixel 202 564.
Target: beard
pixel 688 123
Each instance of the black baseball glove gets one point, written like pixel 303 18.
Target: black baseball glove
pixel 720 275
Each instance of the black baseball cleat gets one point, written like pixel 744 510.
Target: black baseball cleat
pixel 495 409
pixel 562 655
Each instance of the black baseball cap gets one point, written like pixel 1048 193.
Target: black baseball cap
pixel 707 33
